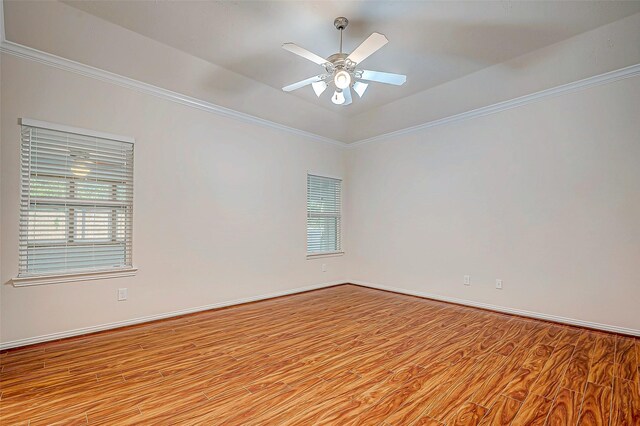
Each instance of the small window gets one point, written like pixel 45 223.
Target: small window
pixel 324 205
pixel 76 207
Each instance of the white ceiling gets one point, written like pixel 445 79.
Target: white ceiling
pixel 431 42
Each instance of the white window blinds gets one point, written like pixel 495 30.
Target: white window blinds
pixel 324 205
pixel 76 206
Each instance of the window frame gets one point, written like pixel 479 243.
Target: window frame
pixel 334 253
pixel 70 275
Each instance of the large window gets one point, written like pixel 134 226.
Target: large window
pixel 76 205
pixel 324 205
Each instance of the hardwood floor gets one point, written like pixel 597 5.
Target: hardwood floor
pixel 345 355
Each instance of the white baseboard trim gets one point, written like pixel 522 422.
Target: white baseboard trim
pixel 503 309
pixel 148 318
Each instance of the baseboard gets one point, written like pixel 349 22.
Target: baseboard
pixel 155 317
pixel 503 309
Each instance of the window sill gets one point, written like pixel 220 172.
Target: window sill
pixel 321 255
pixel 74 277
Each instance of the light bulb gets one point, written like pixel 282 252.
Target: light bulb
pixel 338 97
pixel 342 79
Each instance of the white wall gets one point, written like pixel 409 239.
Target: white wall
pixel 603 49
pixel 57 28
pixel 65 31
pixel 219 210
pixel 545 197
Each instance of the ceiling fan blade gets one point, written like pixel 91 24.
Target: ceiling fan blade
pixel 374 42
pixel 319 87
pixel 384 77
pixel 302 83
pixel 301 51
pixel 359 87
pixel 347 96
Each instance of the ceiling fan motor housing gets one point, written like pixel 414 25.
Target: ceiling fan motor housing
pixel 338 62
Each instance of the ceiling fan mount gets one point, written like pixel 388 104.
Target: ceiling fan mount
pixel 341 23
pixel 341 69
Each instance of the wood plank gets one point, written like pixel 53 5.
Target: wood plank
pixel 596 406
pixel 427 421
pixel 626 364
pixel 604 348
pixel 519 387
pixel 59 419
pixel 502 412
pixel 570 336
pixel 577 373
pixel 469 414
pixel 344 355
pixel 601 373
pixel 423 386
pixel 625 409
pixel 445 409
pixel 534 411
pixel 566 408
pixel 548 382
pixel 491 388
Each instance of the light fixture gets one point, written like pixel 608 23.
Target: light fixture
pixel 319 87
pixel 343 70
pixel 359 87
pixel 342 79
pixel 80 168
pixel 338 97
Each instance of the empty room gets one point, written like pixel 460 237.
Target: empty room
pixel 291 212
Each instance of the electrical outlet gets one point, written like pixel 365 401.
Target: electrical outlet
pixel 324 267
pixel 467 280
pixel 499 284
pixel 122 294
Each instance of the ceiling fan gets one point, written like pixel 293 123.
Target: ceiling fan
pixel 341 69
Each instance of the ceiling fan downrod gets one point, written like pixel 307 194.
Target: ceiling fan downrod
pixel 341 23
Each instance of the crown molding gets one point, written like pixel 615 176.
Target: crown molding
pixel 45 58
pixel 3 36
pixel 608 77
pixel 107 76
